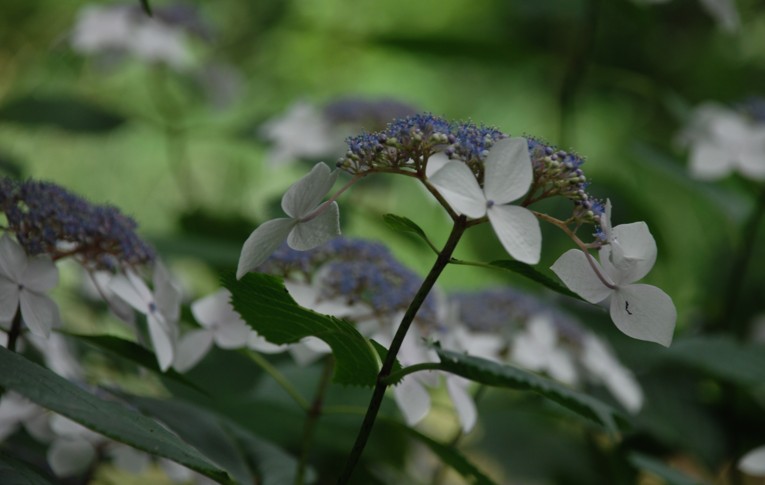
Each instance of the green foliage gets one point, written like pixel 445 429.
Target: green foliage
pixel 670 476
pixel 403 224
pixel 533 274
pixel 499 375
pixel 113 420
pixel 17 472
pixel 722 357
pixel 264 303
pixel 70 114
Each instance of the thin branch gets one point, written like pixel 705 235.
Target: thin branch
pixel 280 379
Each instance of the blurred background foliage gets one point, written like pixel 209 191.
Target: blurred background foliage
pixel 612 80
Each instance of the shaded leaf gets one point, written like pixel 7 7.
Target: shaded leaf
pixel 17 472
pixel 529 272
pixel 264 303
pixel 733 361
pixel 146 7
pixel 669 475
pixel 110 419
pixel 403 224
pixel 67 113
pixel 499 375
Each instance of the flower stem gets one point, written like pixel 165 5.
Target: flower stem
pixel 444 256
pixel 15 331
pixel 398 375
pixel 314 412
pixel 280 379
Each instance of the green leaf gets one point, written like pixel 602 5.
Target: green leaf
pixel 736 362
pixel 146 7
pixel 264 303
pixel 134 353
pixel 383 353
pixel 274 465
pixel 71 114
pixel 498 375
pixel 669 475
pixel 451 457
pixel 529 272
pixel 110 419
pixel 403 224
pixel 17 472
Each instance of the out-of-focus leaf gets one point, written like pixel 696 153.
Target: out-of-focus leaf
pixel 146 7
pixel 273 464
pixel 529 272
pixel 723 357
pixel 451 457
pixel 403 224
pixel 264 303
pixel 17 472
pixel 67 113
pixel 110 419
pixel 10 166
pixel 499 375
pixel 216 252
pixel 670 475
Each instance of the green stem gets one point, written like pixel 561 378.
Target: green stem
pixel 15 331
pixel 394 377
pixel 280 379
pixel 314 412
pixel 460 224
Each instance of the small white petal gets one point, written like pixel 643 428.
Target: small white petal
pixel 317 231
pixel 258 343
pixel 39 312
pixel 303 354
pixel 457 184
pixel 622 384
pixel 463 402
pixel 262 243
pixel 508 173
pixel 710 161
pixel 518 231
pixel 317 345
pixel 129 459
pixel 70 457
pixel 632 254
pixel 644 312
pixel 192 347
pixel 232 335
pixel 435 163
pixel 413 400
pixel 304 195
pixel 213 309
pixel 167 293
pixel 40 275
pixel 9 299
pixel 561 366
pixel 162 341
pixel 132 290
pixel 577 274
pixel 13 259
pixel 179 473
pixel 753 463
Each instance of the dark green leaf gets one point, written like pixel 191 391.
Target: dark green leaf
pixel 529 272
pixel 403 224
pixel 383 353
pixel 61 112
pixel 146 7
pixel 498 375
pixel 264 303
pixel 669 475
pixel 451 457
pixel 732 361
pixel 17 472
pixel 273 464
pixel 110 419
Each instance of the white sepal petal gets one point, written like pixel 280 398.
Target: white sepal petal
pixel 577 274
pixel 644 312
pixel 457 184
pixel 13 259
pixel 213 309
pixel 464 404
pixel 9 299
pixel 232 335
pixel 310 234
pixel 305 194
pixel 262 243
pixel 126 290
pixel 710 161
pixel 162 340
pixel 40 275
pixel 39 312
pixel 413 400
pixel 753 463
pixel 260 344
pixel 129 459
pixel 508 172
pixel 70 457
pixel 167 293
pixel 632 252
pixel 192 347
pixel 518 231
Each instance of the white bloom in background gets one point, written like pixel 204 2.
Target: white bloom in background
pixel 155 41
pixel 73 448
pixel 640 311
pixel 162 308
pixel 507 176
pixel 753 463
pixel 537 349
pixel 722 140
pixel 301 132
pixel 600 362
pixel 303 229
pixel 23 284
pixel 58 356
pixel 15 410
pixel 101 28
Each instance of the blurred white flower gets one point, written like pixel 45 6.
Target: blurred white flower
pixel 23 284
pixel 753 463
pixel 722 140
pixel 74 447
pixel 537 349
pixel 301 132
pixel 507 177
pixel 598 359
pixel 307 226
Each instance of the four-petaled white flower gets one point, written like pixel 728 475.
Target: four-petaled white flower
pixel 307 226
pixel 507 176
pixel 23 283
pixel 537 349
pixel 162 308
pixel 640 311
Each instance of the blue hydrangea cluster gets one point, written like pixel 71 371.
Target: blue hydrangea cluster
pixel 356 270
pixel 47 218
pixel 374 114
pixel 407 143
pixel 507 309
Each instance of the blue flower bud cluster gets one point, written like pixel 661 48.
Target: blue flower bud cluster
pixel 407 143
pixel 47 218
pixel 506 310
pixel 356 271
